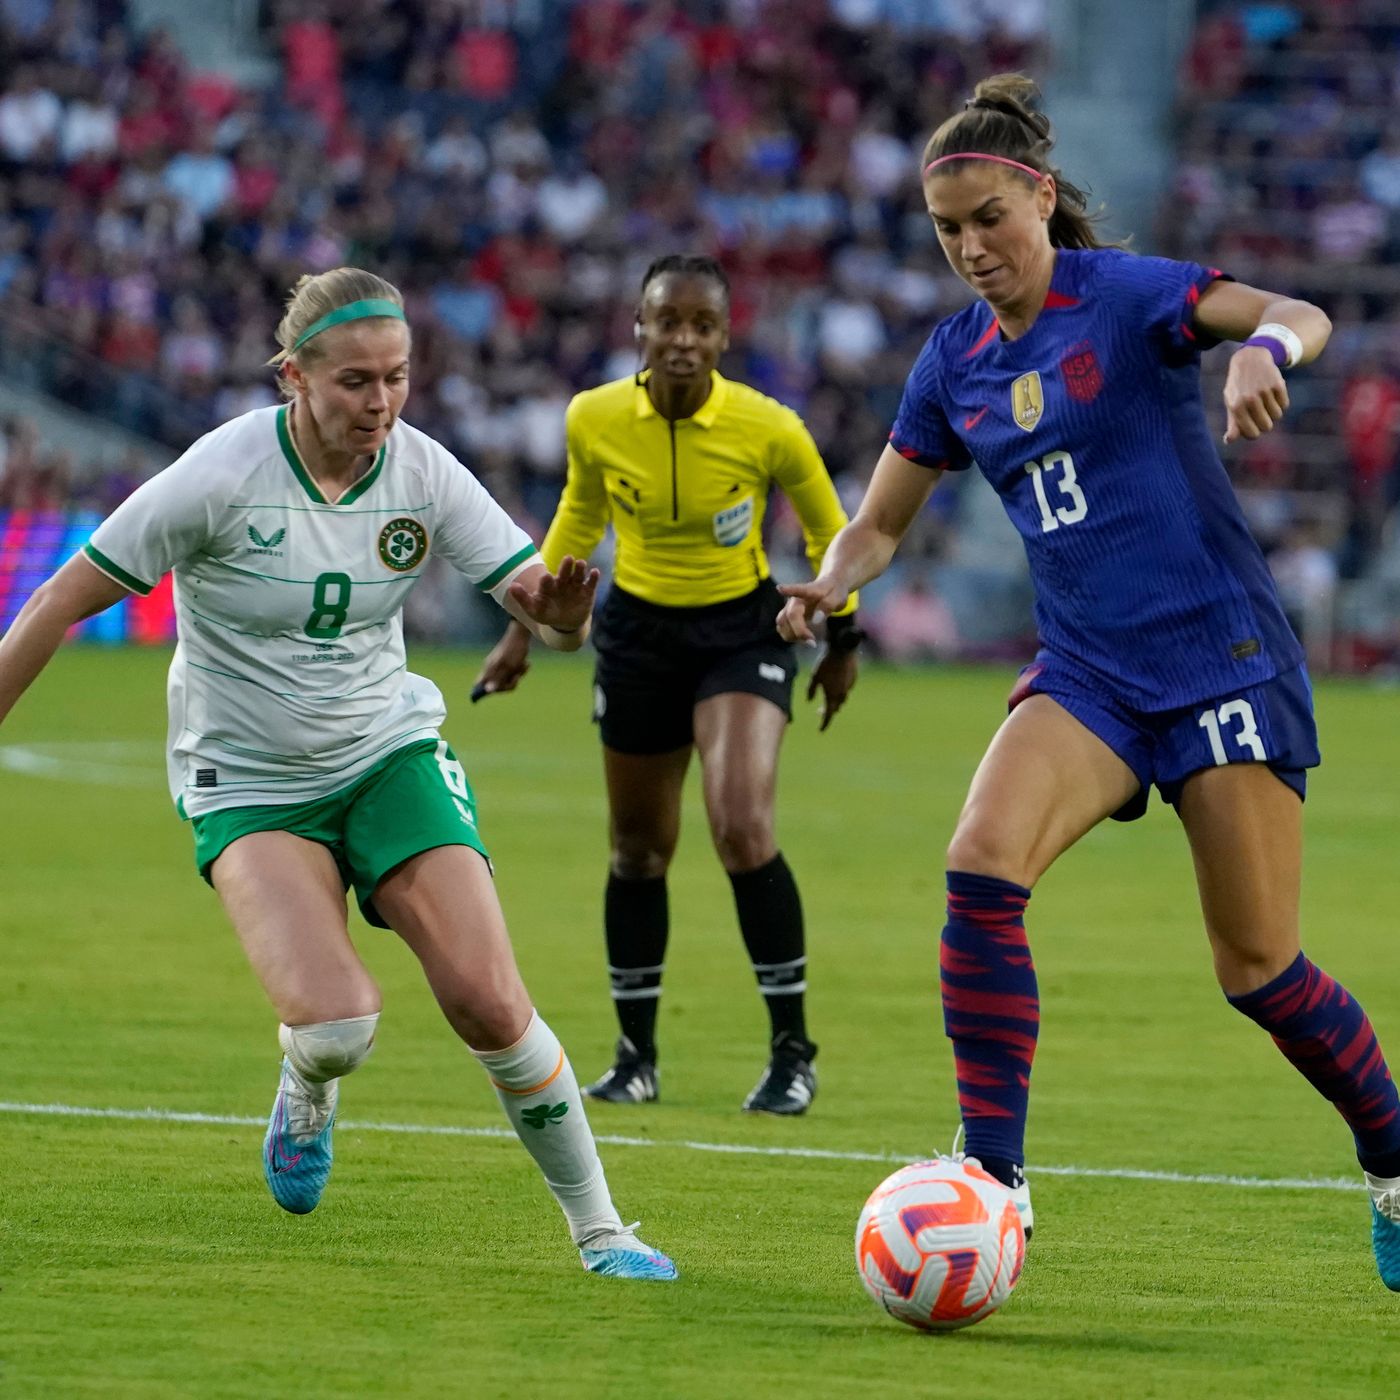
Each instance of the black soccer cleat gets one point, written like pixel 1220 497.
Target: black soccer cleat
pixel 632 1079
pixel 789 1084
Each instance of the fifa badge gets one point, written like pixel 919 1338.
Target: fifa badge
pixel 1027 401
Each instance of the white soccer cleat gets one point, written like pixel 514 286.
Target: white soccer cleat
pixel 1020 1192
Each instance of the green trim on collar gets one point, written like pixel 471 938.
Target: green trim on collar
pixel 308 483
pixel 367 480
pixel 289 451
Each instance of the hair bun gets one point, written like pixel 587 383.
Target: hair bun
pixel 1037 121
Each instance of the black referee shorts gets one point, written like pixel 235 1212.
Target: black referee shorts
pixel 655 664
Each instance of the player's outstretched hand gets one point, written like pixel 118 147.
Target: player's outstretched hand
pixel 564 600
pixel 835 674
pixel 804 602
pixel 505 664
pixel 1255 394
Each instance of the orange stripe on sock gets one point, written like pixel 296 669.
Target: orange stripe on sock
pixel 535 1088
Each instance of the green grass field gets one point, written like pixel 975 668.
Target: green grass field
pixel 143 1257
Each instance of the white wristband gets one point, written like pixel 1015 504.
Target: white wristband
pixel 1292 346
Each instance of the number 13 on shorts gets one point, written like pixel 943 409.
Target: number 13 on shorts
pixel 1233 720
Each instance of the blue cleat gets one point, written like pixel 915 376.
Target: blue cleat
pixel 1385 1227
pixel 297 1149
pixel 620 1254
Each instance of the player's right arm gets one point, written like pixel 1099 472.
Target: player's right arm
pixel 161 523
pixel 77 591
pixel 577 527
pixel 863 549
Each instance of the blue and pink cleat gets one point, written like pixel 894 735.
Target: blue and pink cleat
pixel 620 1254
pixel 297 1149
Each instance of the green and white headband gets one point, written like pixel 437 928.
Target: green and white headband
pixel 351 311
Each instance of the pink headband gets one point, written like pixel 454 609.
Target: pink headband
pixel 978 155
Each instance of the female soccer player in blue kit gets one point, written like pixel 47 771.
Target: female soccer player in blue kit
pixel 1165 658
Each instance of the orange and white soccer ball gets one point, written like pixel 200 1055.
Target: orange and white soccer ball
pixel 940 1244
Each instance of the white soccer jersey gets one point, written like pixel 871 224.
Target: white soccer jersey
pixel 289 679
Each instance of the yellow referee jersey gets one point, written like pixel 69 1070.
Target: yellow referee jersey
pixel 686 498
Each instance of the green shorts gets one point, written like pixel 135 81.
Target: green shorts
pixel 416 798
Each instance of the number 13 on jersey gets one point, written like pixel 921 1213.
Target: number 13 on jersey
pixel 1055 472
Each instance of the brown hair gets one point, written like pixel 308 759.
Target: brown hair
pixel 1001 119
pixel 317 296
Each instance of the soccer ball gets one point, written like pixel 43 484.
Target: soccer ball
pixel 940 1244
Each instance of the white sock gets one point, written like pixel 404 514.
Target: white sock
pixel 536 1086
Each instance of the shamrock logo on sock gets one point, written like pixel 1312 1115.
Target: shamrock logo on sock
pixel 544 1113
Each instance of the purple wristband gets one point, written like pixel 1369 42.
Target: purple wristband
pixel 1275 347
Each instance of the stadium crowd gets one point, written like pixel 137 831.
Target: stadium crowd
pixel 1289 176
pixel 513 165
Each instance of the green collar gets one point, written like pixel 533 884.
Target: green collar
pixel 308 483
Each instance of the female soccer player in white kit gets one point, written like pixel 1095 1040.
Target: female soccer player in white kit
pixel 305 754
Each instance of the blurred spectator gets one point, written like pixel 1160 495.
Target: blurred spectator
pixel 30 117
pixel 1305 572
pixel 199 177
pixel 1348 227
pixel 911 622
pixel 1380 171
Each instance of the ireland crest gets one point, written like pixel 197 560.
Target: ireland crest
pixel 402 544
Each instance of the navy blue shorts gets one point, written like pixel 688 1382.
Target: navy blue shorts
pixel 1268 723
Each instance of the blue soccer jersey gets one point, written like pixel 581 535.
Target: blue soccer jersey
pixel 1091 428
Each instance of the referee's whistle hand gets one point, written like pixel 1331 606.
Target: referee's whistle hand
pixel 505 664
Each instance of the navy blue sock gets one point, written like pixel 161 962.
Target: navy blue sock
pixel 1328 1039
pixel 991 1012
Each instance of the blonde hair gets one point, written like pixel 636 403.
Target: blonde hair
pixel 316 296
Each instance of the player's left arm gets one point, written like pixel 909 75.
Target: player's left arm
pixel 555 608
pixel 1290 332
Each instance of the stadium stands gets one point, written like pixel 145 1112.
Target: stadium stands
pixel 513 173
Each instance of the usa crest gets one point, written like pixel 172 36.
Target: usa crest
pixel 402 544
pixel 1027 401
pixel 1082 375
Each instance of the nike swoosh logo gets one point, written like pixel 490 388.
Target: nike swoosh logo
pixel 284 1166
pixel 970 423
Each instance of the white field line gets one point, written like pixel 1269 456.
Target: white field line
pixel 160 1115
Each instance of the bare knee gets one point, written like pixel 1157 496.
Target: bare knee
pixel 641 855
pixel 312 1003
pixel 1244 965
pixel 743 837
pixel 488 1015
pixel 977 848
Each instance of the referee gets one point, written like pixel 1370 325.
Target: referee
pixel 680 461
